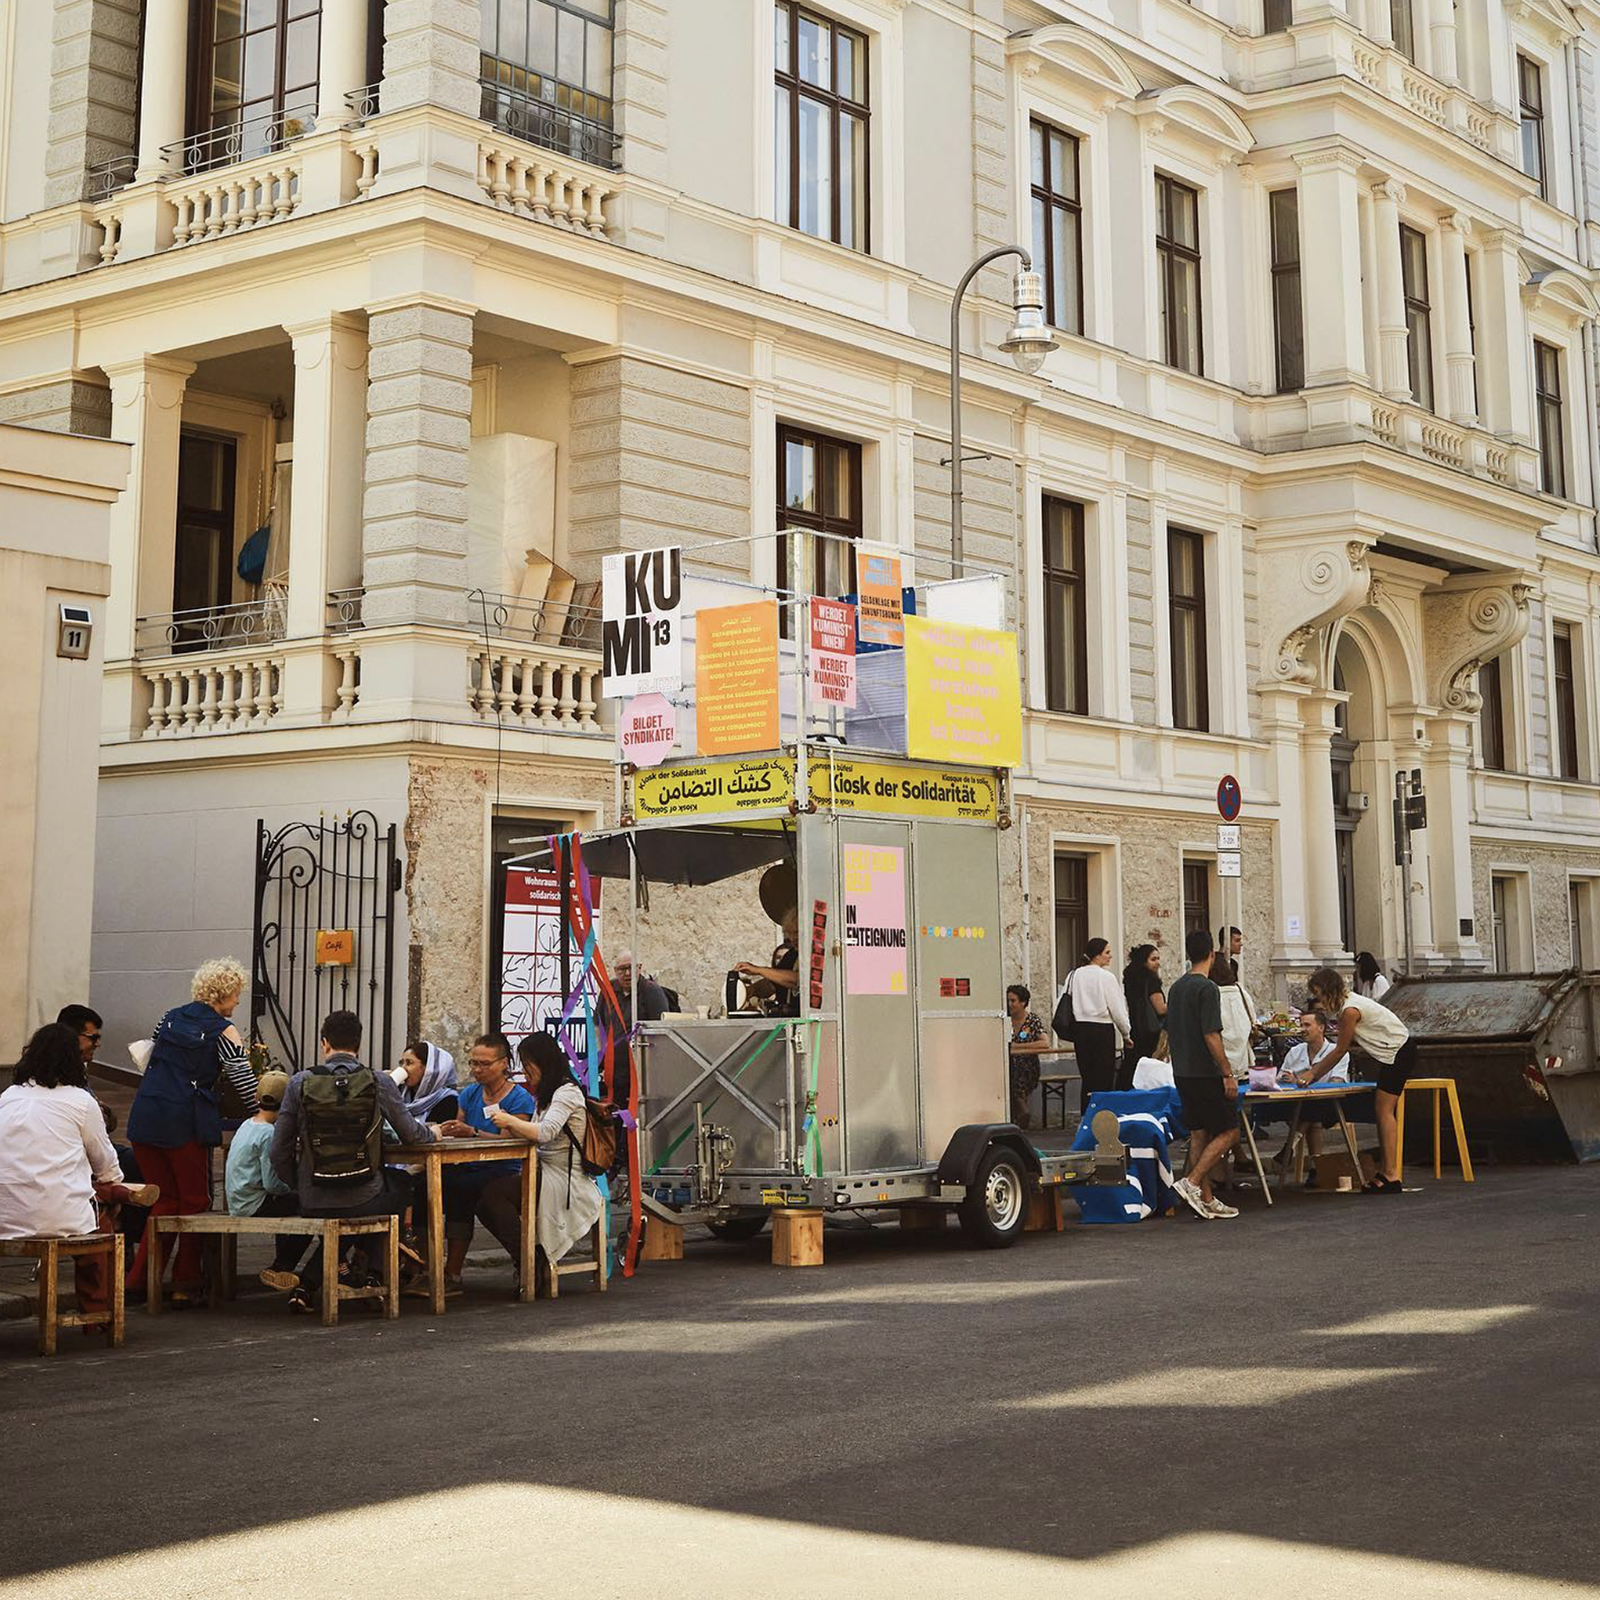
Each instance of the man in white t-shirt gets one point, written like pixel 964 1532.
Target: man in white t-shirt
pixel 1300 1067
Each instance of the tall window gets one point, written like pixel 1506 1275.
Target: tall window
pixel 1066 608
pixel 545 71
pixel 1178 269
pixel 821 71
pixel 1552 439
pixel 1564 689
pixel 1530 99
pixel 1401 26
pixel 1057 224
pixel 1186 587
pixel 1196 897
pixel 1472 329
pixel 1500 892
pixel 202 574
pixel 1072 911
pixel 1419 312
pixel 1288 324
pixel 819 487
pixel 255 81
pixel 1492 716
pixel 1277 16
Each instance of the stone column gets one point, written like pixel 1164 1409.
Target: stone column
pixel 1442 39
pixel 1323 933
pixel 1459 355
pixel 163 85
pixel 342 64
pixel 1330 266
pixel 1380 24
pixel 1447 780
pixel 1281 722
pixel 1503 330
pixel 1387 199
pixel 430 55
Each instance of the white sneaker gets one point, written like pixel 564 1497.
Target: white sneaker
pixel 1190 1194
pixel 1217 1209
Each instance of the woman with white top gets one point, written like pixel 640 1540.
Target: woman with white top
pixel 570 1203
pixel 1374 1029
pixel 1370 980
pixel 1238 1016
pixel 1099 1019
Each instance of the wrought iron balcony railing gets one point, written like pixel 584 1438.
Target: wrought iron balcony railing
pixel 240 141
pixel 551 127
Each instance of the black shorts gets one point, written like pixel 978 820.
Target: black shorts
pixel 1205 1106
pixel 1392 1075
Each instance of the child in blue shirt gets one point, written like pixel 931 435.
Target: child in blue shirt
pixel 255 1190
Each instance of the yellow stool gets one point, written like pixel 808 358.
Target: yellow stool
pixel 1446 1086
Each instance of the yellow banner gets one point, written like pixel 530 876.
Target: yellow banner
pixel 963 694
pixel 713 788
pixel 878 786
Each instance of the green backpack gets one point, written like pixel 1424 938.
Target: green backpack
pixel 341 1125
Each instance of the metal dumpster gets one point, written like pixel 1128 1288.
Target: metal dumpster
pixel 1521 1048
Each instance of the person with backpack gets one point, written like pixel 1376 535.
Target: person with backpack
pixel 327 1145
pixel 575 1146
pixel 196 1057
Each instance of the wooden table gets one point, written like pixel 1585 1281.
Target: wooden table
pixel 1299 1098
pixel 433 1158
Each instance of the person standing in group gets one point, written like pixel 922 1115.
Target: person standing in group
pixel 1099 1019
pixel 1147 1008
pixel 1030 1039
pixel 1377 1032
pixel 1238 1015
pixel 1204 1077
pixel 176 1121
pixel 1370 979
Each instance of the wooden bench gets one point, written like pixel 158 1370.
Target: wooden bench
pixel 1054 1086
pixel 223 1233
pixel 48 1253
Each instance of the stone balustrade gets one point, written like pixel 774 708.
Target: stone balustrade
pixel 541 184
pixel 532 687
pixel 214 691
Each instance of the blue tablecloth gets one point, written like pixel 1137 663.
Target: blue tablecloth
pixel 1148 1120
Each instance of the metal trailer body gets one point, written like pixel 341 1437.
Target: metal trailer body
pixel 1521 1049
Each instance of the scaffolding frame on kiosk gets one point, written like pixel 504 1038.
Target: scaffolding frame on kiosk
pixel 776 1115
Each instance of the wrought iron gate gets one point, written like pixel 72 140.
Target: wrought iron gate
pixel 324 935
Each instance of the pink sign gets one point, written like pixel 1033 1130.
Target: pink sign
pixel 833 653
pixel 647 730
pixel 874 919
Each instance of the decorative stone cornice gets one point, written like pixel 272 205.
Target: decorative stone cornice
pixel 1337 156
pixel 1085 60
pixel 1304 587
pixel 1465 623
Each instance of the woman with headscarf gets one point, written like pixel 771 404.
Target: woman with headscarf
pixel 429 1085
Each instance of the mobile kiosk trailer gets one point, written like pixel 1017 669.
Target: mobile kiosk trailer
pixel 890 1086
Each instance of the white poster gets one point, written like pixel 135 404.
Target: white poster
pixel 641 645
pixel 530 962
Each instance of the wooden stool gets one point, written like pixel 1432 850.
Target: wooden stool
pixel 48 1253
pixel 596 1264
pixel 1446 1086
pixel 797 1238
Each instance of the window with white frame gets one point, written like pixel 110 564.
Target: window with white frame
pixel 1402 28
pixel 1178 274
pixel 1530 105
pixel 1552 430
pixel 1066 607
pixel 1288 322
pixel 1419 314
pixel 1054 189
pixel 1492 742
pixel 1564 700
pixel 1186 602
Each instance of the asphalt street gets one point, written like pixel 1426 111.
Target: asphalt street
pixel 1346 1395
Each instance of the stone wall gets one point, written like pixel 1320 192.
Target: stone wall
pixel 70 406
pixel 1547 867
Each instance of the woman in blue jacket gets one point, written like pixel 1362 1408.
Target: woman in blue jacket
pixel 176 1121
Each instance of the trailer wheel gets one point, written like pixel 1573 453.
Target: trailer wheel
pixel 738 1230
pixel 996 1206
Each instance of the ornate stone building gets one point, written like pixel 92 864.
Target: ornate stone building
pixel 1305 495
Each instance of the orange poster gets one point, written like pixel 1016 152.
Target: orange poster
pixel 736 678
pixel 880 614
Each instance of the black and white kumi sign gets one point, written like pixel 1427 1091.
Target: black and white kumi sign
pixel 641 597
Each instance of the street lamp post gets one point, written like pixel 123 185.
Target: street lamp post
pixel 1028 343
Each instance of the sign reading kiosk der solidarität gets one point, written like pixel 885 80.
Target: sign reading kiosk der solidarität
pixel 641 643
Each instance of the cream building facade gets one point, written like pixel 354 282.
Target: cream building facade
pixel 1305 495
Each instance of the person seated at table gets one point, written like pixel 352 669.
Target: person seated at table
pixel 1307 1063
pixel 570 1202
pixel 1030 1039
pixel 464 1182
pixel 428 1085
pixel 56 1162
pixel 1154 1071
pixel 253 1189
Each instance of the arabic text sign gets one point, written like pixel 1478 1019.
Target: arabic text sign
pixel 846 784
pixel 832 657
pixel 874 919
pixel 530 963
pixel 736 678
pixel 963 694
pixel 710 788
pixel 647 729
pixel 641 595
pixel 878 591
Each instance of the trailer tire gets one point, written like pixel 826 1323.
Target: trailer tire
pixel 738 1230
pixel 996 1206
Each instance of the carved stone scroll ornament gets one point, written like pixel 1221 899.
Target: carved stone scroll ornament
pixel 1303 589
pixel 1463 628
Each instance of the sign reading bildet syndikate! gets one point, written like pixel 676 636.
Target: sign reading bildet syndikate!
pixel 641 632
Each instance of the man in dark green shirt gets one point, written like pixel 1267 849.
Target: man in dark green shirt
pixel 1204 1079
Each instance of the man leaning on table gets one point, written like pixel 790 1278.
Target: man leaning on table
pixel 1204 1078
pixel 361 1186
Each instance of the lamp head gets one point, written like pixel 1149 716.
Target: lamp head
pixel 1030 339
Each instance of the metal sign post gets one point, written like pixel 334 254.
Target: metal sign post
pixel 1230 851
pixel 1410 814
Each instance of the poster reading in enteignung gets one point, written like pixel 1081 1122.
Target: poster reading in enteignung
pixel 874 919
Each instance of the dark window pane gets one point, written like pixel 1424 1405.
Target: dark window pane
pixel 1491 717
pixel 1066 619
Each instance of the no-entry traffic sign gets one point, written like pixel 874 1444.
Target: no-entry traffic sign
pixel 1230 798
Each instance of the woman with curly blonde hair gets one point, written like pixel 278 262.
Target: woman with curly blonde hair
pixel 176 1119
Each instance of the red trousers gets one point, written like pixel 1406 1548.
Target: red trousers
pixel 184 1177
